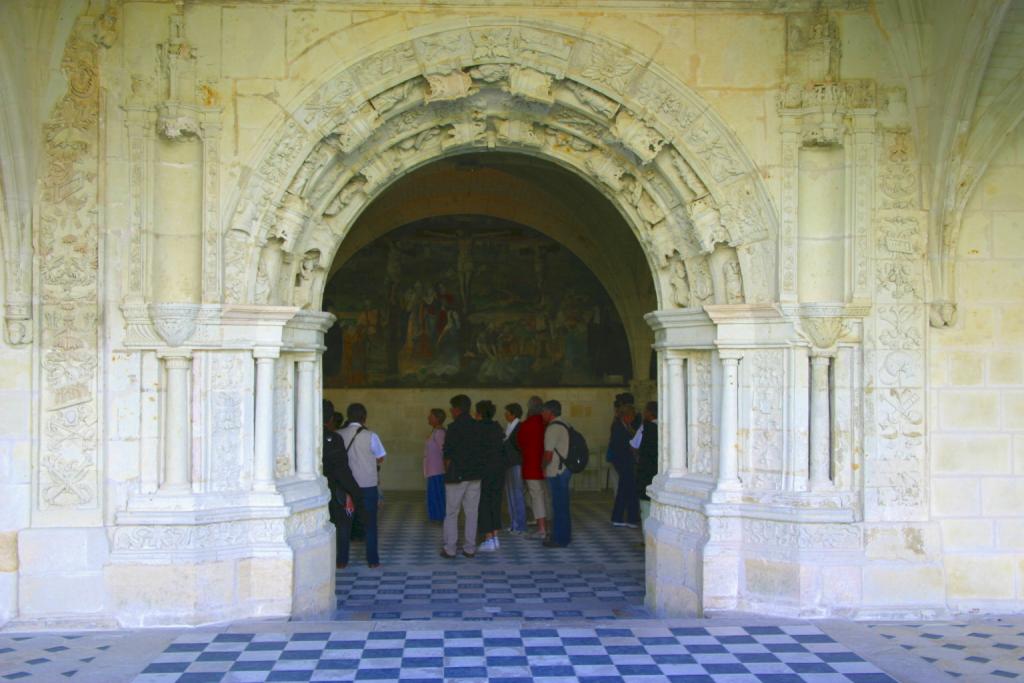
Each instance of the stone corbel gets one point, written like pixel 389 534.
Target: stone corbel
pixel 174 322
pixel 822 333
pixel 942 314
pixel 178 122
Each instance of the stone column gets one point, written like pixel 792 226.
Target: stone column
pixel 176 424
pixel 676 418
pixel 728 442
pixel 305 420
pixel 263 448
pixel 821 423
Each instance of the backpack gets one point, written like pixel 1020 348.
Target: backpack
pixel 579 453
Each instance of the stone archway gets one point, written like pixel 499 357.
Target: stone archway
pixel 657 151
pixel 649 144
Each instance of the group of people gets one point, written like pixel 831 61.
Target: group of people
pixel 474 463
pixel 633 452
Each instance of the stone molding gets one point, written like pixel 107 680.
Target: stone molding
pixel 655 148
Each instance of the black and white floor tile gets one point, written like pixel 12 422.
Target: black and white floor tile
pixel 767 654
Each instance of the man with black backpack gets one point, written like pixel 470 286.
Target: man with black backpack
pixel 346 497
pixel 557 442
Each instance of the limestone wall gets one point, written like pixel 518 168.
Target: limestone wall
pixel 399 416
pixel 977 398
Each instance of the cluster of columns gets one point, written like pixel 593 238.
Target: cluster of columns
pixel 674 397
pixel 177 419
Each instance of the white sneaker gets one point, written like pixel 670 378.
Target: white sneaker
pixel 619 524
pixel 487 546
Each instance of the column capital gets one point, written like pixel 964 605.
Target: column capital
pixel 171 355
pixel 266 352
pixel 730 354
pixel 821 356
pixel 305 357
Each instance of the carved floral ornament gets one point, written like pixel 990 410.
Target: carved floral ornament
pixel 645 141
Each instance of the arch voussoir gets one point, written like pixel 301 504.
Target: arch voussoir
pixel 649 144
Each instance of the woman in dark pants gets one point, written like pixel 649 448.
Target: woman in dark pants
pixel 626 511
pixel 491 442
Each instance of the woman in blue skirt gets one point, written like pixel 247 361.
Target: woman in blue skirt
pixel 433 465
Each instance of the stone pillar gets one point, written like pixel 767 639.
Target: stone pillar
pixel 728 443
pixel 176 424
pixel 305 420
pixel 821 423
pixel 676 418
pixel 263 448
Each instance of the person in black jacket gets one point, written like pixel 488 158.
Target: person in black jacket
pixel 464 467
pixel 491 445
pixel 346 496
pixel 647 452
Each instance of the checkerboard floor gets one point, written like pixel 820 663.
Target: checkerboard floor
pixel 766 654
pixel 601 573
pixel 499 617
pixel 989 650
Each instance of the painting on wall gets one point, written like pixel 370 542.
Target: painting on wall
pixel 466 301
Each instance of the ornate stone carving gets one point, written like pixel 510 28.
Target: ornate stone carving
pixel 804 536
pixel 220 535
pixel 688 521
pixel 733 281
pixel 309 281
pixel 637 137
pixel 823 332
pixel 307 522
pixel 767 401
pixel 492 43
pixel 607 68
pixel 898 327
pixel 703 456
pixel 450 86
pixel 530 83
pixel 678 282
pixel 68 247
pixel 174 322
pixel 594 101
pixel 467 107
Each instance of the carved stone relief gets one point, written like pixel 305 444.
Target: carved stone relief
pixel 68 246
pixel 479 99
pixel 767 380
pixel 703 456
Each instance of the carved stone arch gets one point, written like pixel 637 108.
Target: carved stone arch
pixel 647 142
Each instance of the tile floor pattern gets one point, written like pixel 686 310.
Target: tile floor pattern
pixel 501 616
pixel 988 650
pixel 600 575
pixel 766 654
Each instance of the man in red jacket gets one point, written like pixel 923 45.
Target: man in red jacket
pixel 531 445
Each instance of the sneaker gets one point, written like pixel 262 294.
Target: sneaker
pixel 619 524
pixel 469 555
pixel 631 526
pixel 445 555
pixel 488 546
